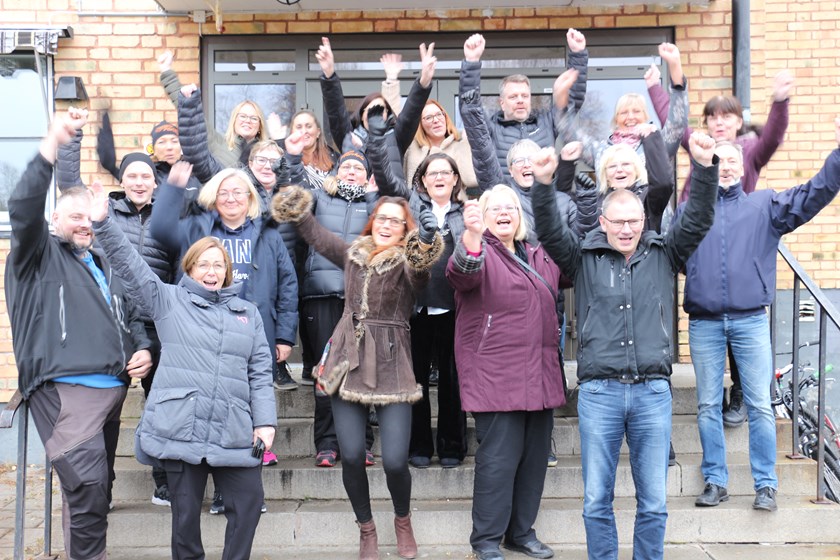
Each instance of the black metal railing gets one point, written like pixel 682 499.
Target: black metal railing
pixel 7 416
pixel 826 311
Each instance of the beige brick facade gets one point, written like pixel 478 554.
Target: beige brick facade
pixel 115 55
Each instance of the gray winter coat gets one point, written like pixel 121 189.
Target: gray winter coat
pixel 213 384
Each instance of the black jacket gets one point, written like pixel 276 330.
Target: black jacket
pixel 540 126
pixel 625 309
pixel 61 324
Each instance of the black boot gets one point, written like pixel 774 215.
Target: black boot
pixel 736 414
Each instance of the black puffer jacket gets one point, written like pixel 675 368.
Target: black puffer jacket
pixel 322 278
pixel 540 126
pixel 625 308
pixel 489 172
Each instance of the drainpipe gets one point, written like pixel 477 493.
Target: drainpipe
pixel 741 52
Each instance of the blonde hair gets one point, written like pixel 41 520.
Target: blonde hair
pixel 522 230
pixel 209 192
pixel 197 249
pixel 627 100
pixel 612 153
pixel 264 145
pixel 230 134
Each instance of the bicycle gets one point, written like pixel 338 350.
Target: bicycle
pixel 809 434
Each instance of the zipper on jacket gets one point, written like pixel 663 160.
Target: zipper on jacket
pixel 121 322
pixel 62 318
pixel 612 273
pixel 487 327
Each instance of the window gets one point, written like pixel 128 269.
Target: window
pixel 24 116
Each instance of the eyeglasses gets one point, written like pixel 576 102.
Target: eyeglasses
pixel 618 225
pixel 446 174
pixel 439 116
pixel 260 161
pixel 507 208
pixel 351 167
pixel 204 266
pixel 520 162
pixel 235 195
pixel 243 117
pixel 393 222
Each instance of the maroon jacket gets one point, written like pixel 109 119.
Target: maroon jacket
pixel 757 148
pixel 506 331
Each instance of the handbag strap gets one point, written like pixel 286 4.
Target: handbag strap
pixel 528 267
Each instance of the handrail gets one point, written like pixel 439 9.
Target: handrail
pixel 7 416
pixel 827 311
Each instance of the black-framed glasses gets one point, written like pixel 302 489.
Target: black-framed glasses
pixel 439 116
pixel 260 161
pixel 520 162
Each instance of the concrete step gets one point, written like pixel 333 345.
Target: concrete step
pixel 567 552
pixel 300 402
pixel 311 525
pixel 295 438
pixel 299 479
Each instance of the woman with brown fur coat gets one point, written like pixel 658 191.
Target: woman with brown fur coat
pixel 368 360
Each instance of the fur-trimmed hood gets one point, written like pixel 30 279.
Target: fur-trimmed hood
pixel 292 205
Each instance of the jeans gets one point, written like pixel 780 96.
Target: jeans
pixel 608 410
pixel 749 338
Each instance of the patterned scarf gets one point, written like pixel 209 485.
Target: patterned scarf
pixel 350 193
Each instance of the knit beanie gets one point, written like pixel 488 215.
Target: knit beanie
pixel 131 158
pixel 355 156
pixel 162 129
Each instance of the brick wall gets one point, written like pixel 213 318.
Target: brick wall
pixel 116 56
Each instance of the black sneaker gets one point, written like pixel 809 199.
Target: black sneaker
pixel 552 455
pixel 765 499
pixel 218 505
pixel 284 381
pixel 736 414
pixel 434 377
pixel 672 457
pixel 161 496
pixel 306 377
pixel 712 495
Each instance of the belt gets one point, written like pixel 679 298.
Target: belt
pixel 632 379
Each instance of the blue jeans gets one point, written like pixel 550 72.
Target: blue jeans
pixel 608 410
pixel 749 338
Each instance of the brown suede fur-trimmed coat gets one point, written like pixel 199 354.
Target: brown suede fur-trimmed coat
pixel 371 346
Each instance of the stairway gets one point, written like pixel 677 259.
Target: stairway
pixel 309 515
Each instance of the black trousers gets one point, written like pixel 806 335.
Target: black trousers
pixel 394 429
pixel 243 493
pixel 510 469
pixel 158 474
pixel 79 427
pixel 433 339
pixel 319 318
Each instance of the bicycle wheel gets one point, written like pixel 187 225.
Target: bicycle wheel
pixel 831 473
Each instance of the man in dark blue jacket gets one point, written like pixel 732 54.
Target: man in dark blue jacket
pixel 76 341
pixel 730 280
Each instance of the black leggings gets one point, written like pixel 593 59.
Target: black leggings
pixel 395 433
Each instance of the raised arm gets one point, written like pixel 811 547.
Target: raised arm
pixel 773 134
pixel 392 64
pixel 676 124
pixel 409 119
pixel 560 242
pixel 579 61
pixel 660 176
pixel 466 265
pixel 794 207
pixel 193 135
pixel 68 163
pixel 339 119
pixel 165 224
pixel 27 202
pixel 295 206
pixel 388 171
pixel 695 221
pixel 168 78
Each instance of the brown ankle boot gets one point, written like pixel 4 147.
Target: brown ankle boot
pixel 406 545
pixel 368 543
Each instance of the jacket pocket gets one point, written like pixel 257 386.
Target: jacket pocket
pixel 62 315
pixel 238 431
pixel 485 332
pixel 174 414
pixel 760 276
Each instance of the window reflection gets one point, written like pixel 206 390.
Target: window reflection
pixel 272 98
